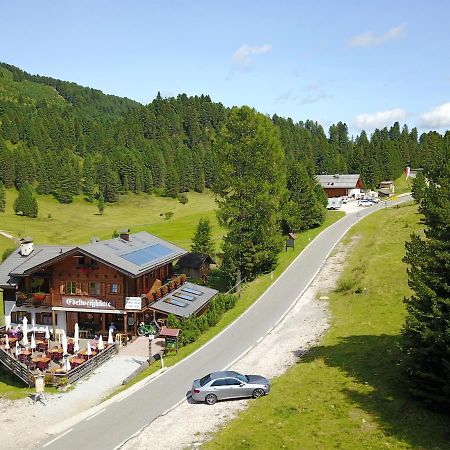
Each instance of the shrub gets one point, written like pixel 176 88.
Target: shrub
pixel 182 198
pixel 168 215
pixel 345 285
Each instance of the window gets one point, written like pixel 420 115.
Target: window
pixel 17 316
pixel 45 319
pixel 95 288
pixel 71 287
pixel 233 382
pixel 204 380
pixel 114 288
pixel 220 383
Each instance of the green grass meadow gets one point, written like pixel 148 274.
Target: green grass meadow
pixel 349 391
pixel 77 222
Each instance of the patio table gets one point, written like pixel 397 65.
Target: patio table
pixel 75 362
pixel 41 362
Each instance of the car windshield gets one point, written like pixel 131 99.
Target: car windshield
pixel 241 377
pixel 204 380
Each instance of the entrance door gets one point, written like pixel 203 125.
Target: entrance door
pixel 72 319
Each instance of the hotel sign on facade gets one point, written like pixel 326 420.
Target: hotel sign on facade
pixel 86 303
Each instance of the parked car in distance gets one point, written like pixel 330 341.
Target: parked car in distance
pixel 365 202
pixel 375 200
pixel 228 384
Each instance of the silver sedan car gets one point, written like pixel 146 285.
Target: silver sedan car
pixel 228 384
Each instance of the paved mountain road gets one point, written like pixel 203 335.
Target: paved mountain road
pixel 117 422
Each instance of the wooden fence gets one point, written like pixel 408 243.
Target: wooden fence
pixel 16 367
pixel 84 369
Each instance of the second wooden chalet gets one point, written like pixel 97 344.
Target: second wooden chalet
pixel 124 280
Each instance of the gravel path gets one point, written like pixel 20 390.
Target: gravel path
pixel 302 328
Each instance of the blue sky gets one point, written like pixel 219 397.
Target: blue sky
pixel 365 63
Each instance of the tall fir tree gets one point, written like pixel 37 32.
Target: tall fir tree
pixel 250 185
pixel 202 241
pixel 26 203
pixel 426 333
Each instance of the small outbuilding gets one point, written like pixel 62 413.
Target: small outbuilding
pixel 386 188
pixel 195 265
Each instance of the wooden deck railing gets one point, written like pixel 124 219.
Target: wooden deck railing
pixel 16 367
pixel 87 367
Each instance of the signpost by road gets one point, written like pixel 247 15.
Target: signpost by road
pixel 39 384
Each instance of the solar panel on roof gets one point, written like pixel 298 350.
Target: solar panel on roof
pixel 147 254
pixel 189 298
pixel 174 301
pixel 191 291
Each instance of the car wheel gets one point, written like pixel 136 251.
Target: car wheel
pixel 210 399
pixel 258 393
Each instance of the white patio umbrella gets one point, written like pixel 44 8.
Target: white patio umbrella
pixel 33 342
pixel 17 349
pixel 7 342
pixel 76 337
pixel 33 324
pixel 7 322
pixel 25 330
pixel 67 365
pixel 64 343
pixel 100 344
pixel 47 333
pixel 88 349
pixel 110 337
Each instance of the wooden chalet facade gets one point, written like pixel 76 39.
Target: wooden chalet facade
pixel 339 185
pixel 119 280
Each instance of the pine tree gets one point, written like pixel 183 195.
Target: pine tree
pixel 26 203
pixel 101 204
pixel 202 241
pixel 2 197
pixel 250 185
pixel 426 333
pixel 172 182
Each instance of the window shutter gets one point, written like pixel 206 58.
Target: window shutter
pixel 62 287
pixel 78 288
pixel 102 289
pixel 108 288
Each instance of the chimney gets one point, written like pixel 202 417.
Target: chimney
pixel 26 246
pixel 124 234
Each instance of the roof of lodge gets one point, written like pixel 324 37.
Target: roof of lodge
pixel 348 181
pixel 142 253
pixel 188 299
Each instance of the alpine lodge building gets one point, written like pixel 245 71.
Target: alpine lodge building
pixel 125 280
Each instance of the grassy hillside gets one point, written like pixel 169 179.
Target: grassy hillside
pixel 79 221
pixel 349 392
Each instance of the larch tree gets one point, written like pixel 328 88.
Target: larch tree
pixel 250 186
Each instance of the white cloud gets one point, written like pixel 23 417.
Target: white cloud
pixel 437 117
pixel 313 93
pixel 368 39
pixel 243 57
pixel 379 119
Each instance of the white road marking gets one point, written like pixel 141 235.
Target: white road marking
pixel 60 436
pixel 96 414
